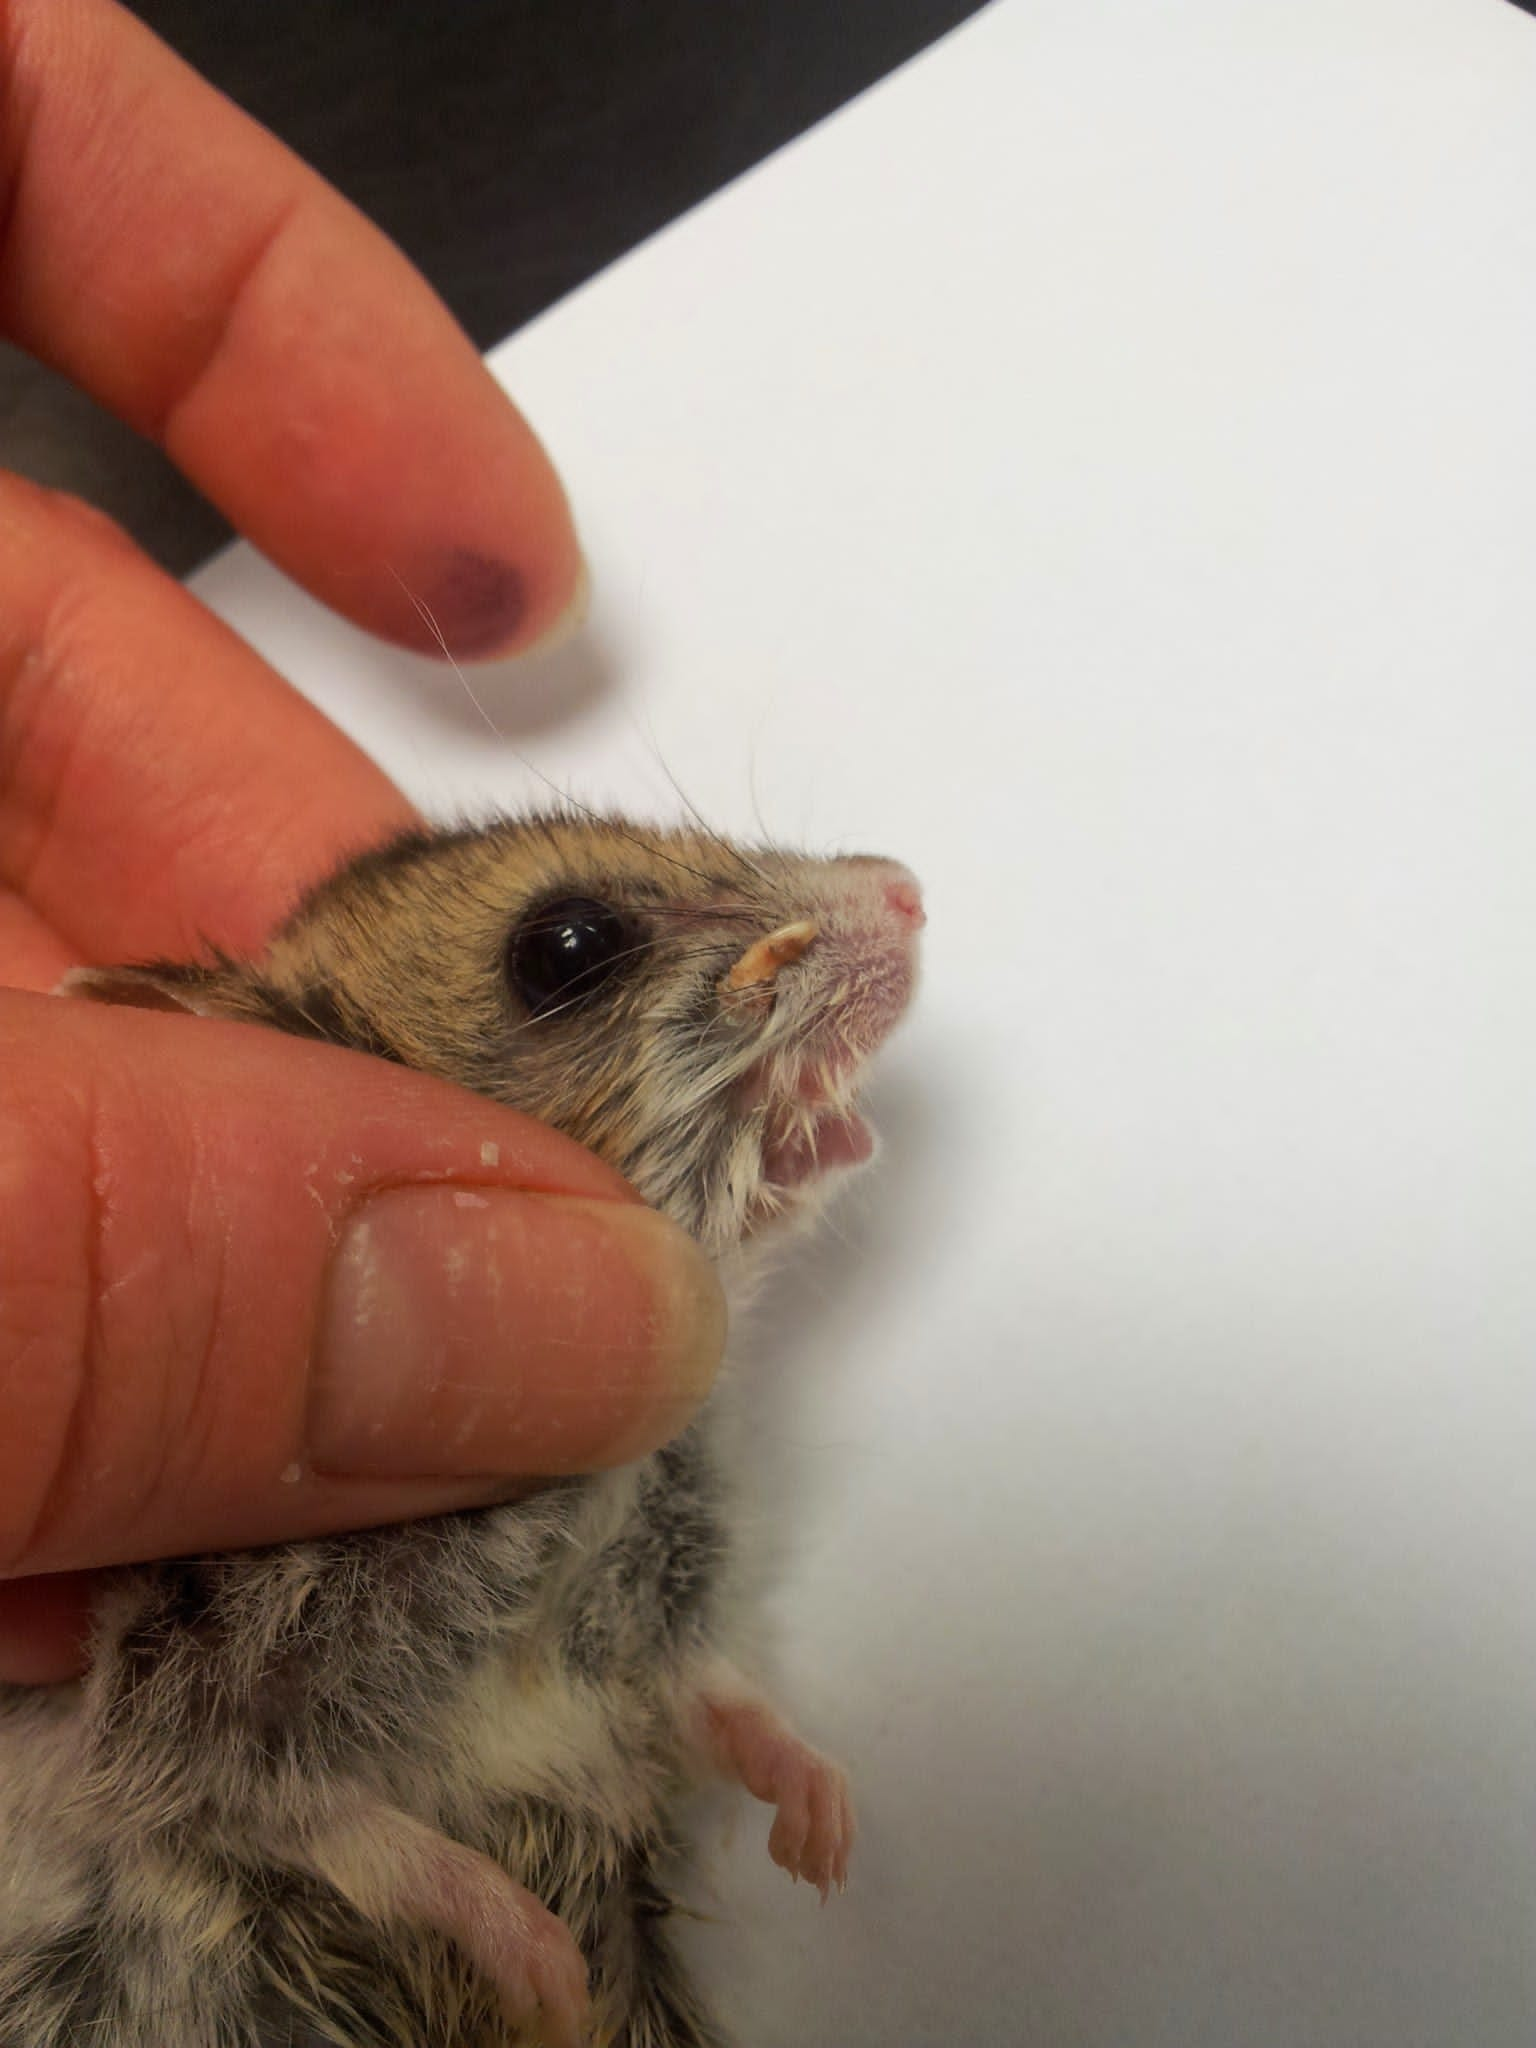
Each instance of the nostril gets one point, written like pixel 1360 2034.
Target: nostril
pixel 906 899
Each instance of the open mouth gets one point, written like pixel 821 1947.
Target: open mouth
pixel 812 1131
pixel 805 1152
pixel 845 970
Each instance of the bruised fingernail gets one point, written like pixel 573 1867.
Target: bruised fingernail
pixel 483 608
pixel 487 1331
pixel 478 604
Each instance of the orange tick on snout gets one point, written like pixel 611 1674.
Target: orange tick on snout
pixel 764 957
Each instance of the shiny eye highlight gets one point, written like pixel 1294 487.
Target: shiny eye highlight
pixel 563 953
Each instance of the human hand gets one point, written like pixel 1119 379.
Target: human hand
pixel 198 1221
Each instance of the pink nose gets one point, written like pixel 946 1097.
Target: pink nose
pixel 906 899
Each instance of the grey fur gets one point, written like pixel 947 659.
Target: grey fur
pixel 516 1680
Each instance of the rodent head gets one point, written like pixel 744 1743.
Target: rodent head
pixel 696 1013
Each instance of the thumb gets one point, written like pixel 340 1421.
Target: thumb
pixel 253 1289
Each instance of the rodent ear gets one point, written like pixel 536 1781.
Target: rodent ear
pixel 140 988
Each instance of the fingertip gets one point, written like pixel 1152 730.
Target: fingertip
pixel 481 1331
pixel 347 425
pixel 172 257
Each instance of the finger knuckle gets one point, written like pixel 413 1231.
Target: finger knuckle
pixel 100 1327
pixel 46 1262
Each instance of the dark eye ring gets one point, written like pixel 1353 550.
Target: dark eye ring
pixel 562 953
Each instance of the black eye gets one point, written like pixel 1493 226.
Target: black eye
pixel 563 953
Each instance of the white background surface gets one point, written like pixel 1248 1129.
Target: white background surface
pixel 1100 468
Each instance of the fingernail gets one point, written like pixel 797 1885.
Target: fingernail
pixel 469 1332
pixel 568 623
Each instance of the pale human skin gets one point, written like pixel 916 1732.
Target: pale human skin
pixel 165 1229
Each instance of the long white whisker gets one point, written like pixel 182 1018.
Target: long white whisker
pixel 424 613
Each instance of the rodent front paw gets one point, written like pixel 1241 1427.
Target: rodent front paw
pixel 813 1829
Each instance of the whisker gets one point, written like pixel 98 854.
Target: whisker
pixel 715 838
pixel 424 613
pixel 698 913
pixel 688 957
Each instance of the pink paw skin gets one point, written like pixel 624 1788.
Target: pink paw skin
pixel 543 1981
pixel 393 1866
pixel 813 1829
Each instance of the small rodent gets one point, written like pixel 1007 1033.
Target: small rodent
pixel 417 1786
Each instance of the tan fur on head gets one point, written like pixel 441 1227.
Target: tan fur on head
pixel 743 973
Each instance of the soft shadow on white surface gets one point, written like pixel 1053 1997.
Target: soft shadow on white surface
pixel 1100 469
pixel 519 700
pixel 453 736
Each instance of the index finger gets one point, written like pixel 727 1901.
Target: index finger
pixel 170 255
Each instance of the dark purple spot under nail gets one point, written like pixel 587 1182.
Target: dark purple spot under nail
pixel 478 602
